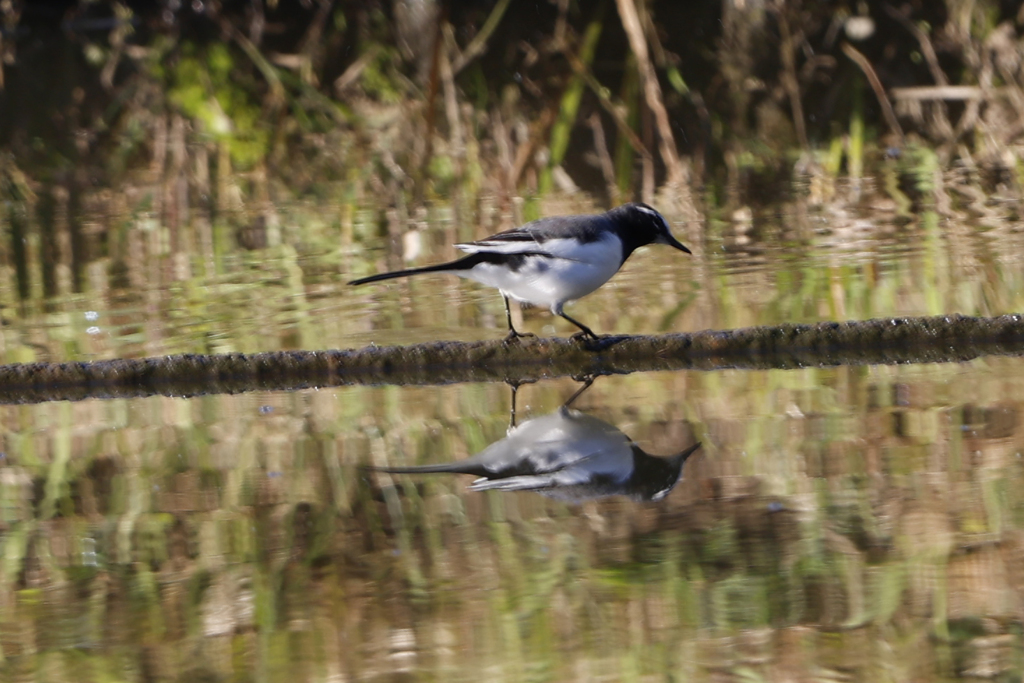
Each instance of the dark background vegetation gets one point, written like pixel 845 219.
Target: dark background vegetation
pixel 756 94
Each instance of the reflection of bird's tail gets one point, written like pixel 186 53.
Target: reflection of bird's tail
pixel 463 263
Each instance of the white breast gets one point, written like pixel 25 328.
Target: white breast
pixel 562 271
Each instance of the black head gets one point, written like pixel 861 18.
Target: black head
pixel 654 477
pixel 640 225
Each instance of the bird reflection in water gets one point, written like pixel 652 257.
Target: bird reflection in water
pixel 566 455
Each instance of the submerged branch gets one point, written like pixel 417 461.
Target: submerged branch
pixel 884 341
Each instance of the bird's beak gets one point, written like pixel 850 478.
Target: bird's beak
pixel 673 242
pixel 679 459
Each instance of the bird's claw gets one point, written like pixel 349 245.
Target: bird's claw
pixel 588 336
pixel 515 337
pixel 593 342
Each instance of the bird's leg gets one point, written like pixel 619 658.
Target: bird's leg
pixel 515 391
pixel 515 384
pixel 587 381
pixel 512 332
pixel 512 410
pixel 584 330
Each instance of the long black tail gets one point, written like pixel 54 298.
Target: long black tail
pixel 464 263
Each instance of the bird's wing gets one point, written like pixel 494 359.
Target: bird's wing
pixel 546 236
pixel 583 470
pixel 572 460
pixel 511 242
pixel 526 482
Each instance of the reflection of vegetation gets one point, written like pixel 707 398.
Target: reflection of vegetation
pixel 845 522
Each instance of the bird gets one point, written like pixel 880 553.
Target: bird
pixel 551 261
pixel 569 456
pixel 566 455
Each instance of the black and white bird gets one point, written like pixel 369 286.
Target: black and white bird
pixel 551 261
pixel 569 456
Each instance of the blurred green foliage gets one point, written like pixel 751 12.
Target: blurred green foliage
pixel 204 83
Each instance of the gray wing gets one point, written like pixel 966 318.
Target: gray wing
pixel 535 236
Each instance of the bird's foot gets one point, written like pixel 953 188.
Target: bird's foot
pixel 593 342
pixel 585 335
pixel 585 382
pixel 588 340
pixel 514 337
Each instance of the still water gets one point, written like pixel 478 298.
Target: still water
pixel 836 524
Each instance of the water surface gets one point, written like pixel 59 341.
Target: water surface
pixel 849 523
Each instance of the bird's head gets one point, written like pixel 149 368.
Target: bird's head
pixel 648 225
pixel 654 477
